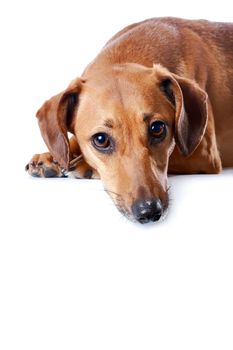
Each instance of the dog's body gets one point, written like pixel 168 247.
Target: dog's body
pixel 158 98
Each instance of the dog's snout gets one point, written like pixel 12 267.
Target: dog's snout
pixel 147 210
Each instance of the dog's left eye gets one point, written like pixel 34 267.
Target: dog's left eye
pixel 102 142
pixel 158 130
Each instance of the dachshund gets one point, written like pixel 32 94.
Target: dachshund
pixel 157 99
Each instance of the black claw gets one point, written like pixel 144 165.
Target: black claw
pixel 50 173
pixel 35 174
pixel 88 174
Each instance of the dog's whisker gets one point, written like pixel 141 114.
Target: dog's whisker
pixel 112 192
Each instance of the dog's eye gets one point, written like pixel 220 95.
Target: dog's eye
pixel 102 142
pixel 158 130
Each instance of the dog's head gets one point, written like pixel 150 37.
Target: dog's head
pixel 127 119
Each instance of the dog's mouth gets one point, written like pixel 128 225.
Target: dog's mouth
pixel 142 211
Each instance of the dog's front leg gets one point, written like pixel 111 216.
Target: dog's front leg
pixel 44 165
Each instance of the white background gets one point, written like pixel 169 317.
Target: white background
pixel 74 273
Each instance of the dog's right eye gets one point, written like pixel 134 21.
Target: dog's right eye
pixel 102 142
pixel 157 131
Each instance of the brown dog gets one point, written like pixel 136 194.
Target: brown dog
pixel 158 98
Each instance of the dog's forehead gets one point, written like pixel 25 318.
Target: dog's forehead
pixel 123 77
pixel 122 87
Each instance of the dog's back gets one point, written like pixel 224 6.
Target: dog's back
pixel 169 41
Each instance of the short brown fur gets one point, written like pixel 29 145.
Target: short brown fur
pixel 172 70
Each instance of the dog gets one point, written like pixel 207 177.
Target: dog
pixel 157 99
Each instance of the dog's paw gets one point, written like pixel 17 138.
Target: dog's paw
pixel 79 169
pixel 43 165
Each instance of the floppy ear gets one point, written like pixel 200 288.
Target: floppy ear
pixel 190 103
pixel 55 119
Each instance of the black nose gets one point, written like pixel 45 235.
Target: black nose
pixel 147 210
